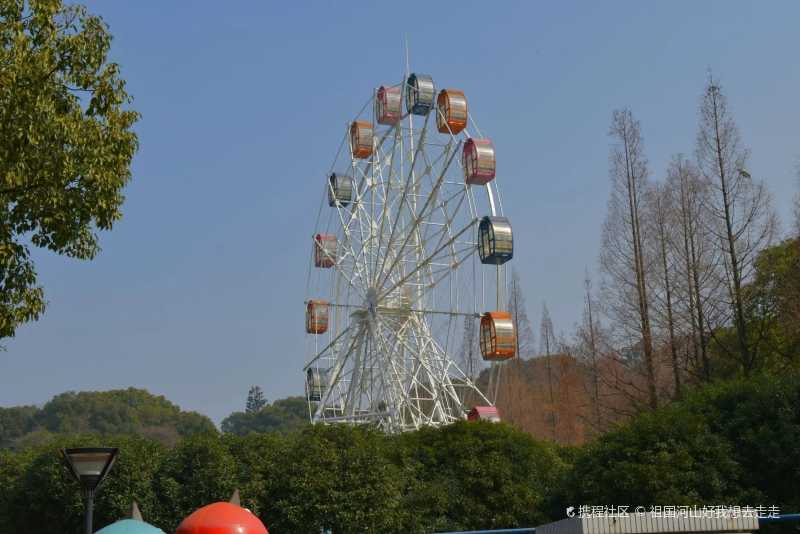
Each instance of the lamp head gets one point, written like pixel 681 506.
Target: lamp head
pixel 90 465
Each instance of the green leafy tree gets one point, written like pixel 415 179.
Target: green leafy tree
pixel 128 411
pixel 335 477
pixel 45 499
pixel 200 470
pixel 259 460
pixel 283 415
pixel 475 476
pixel 734 442
pixel 66 144
pixel 15 422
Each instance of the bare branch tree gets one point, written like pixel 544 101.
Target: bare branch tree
pixel 547 340
pixel 743 219
pixel 470 352
pixel 699 280
pixel 797 204
pixel 622 258
pixel 519 314
pixel 660 218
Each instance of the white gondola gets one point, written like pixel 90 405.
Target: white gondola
pixel 420 94
pixel 495 240
pixel 340 190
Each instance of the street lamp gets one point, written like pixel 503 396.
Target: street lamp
pixel 89 466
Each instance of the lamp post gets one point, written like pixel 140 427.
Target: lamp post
pixel 89 466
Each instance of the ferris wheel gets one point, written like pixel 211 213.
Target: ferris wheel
pixel 408 251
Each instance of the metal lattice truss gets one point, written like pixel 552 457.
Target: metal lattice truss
pixel 405 277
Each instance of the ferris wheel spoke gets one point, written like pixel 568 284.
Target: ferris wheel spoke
pixel 336 374
pixel 408 182
pixel 428 202
pixel 424 263
pixel 327 348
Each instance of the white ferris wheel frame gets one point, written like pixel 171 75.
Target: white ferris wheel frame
pixel 386 358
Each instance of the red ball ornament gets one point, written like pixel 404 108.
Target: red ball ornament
pixel 221 518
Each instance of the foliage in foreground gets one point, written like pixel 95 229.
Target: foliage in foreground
pixel 731 443
pixel 66 144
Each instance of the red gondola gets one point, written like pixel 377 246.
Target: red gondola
pixel 324 250
pixel 478 160
pixel 388 105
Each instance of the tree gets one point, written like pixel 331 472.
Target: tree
pixel 199 471
pixel 128 411
pixel 588 348
pixel 336 477
pixel 660 218
pixel 282 415
pixel 519 314
pixel 470 476
pixel 774 311
pixel 699 283
pixel 470 353
pixel 622 258
pixel 797 205
pixel 44 498
pixel 66 144
pixel 255 400
pixel 547 340
pixel 743 220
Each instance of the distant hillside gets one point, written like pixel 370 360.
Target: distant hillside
pixel 128 411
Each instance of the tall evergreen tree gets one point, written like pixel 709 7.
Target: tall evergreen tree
pixel 255 400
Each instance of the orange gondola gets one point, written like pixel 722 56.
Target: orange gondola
pixel 451 116
pixel 324 250
pixel 361 135
pixel 497 338
pixel 478 160
pixel 317 316
pixel 388 105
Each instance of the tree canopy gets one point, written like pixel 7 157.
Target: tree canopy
pixel 129 411
pixel 733 442
pixel 282 415
pixel 66 144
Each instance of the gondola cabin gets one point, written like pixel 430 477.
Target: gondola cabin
pixel 495 240
pixel 484 413
pixel 324 251
pixel 361 135
pixel 420 93
pixel 340 189
pixel 317 317
pixel 497 338
pixel 388 105
pixel 315 382
pixel 478 160
pixel 451 116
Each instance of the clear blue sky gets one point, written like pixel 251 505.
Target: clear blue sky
pixel 198 292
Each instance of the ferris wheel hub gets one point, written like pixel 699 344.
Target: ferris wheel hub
pixel 372 301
